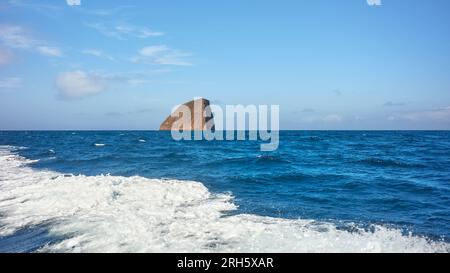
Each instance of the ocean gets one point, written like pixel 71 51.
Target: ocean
pixel 141 191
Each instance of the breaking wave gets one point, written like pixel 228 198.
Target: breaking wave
pixel 136 214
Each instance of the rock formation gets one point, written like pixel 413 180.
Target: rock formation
pixel 200 116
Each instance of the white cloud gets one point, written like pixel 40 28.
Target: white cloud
pixel 73 2
pixel 10 83
pixel 49 51
pixel 123 31
pixel 374 2
pixel 97 53
pixel 79 84
pixel 163 55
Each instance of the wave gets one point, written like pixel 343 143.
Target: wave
pixel 136 214
pixel 388 163
pixel 259 159
pixel 271 159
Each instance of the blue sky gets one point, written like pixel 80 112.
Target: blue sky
pixel 329 64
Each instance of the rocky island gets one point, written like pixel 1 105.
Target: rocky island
pixel 200 112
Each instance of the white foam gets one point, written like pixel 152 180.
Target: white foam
pixel 142 140
pixel 99 145
pixel 136 214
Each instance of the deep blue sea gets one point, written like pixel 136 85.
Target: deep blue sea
pixel 141 191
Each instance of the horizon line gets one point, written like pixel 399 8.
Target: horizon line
pixel 282 130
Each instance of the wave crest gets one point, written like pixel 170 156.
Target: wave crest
pixel 136 214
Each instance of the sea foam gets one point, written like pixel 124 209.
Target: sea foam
pixel 137 214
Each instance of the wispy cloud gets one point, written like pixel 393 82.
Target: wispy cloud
pixel 374 2
pixel 163 55
pixel 16 37
pixel 49 51
pixel 106 11
pixel 38 6
pixel 123 31
pixel 304 111
pixel 331 118
pixel 32 4
pixel 114 11
pixel 73 2
pixel 133 78
pixel 394 104
pixel 153 51
pixel 438 114
pixel 58 10
pixel 137 112
pixel 10 83
pixel 98 53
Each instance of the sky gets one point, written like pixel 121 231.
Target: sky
pixel 328 64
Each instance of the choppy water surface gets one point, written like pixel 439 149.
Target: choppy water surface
pixel 142 191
